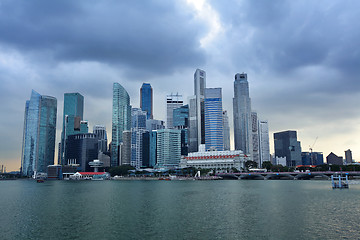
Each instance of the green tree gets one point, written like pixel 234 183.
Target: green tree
pixel 267 165
pixel 250 164
pixel 120 170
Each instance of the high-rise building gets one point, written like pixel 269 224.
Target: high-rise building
pixel 214 139
pixel 125 151
pixel 168 148
pixel 264 146
pixel 121 120
pixel 153 124
pixel 153 148
pixel 255 138
pixel 287 145
pixel 242 114
pixel 146 100
pixel 101 135
pixel 138 128
pixel 81 149
pixel 181 121
pixel 173 101
pixel 226 131
pixel 348 157
pixel 38 147
pixel 196 112
pixel 72 116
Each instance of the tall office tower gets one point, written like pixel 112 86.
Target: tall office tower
pixel 264 142
pixel 226 131
pixel 138 128
pixel 255 138
pixel 72 117
pixel 196 112
pixel 152 124
pixel 168 146
pixel 153 151
pixel 172 101
pixel 242 114
pixel 121 120
pixel 214 139
pixel 126 148
pixel 348 157
pixel 181 121
pixel 146 100
pixel 287 145
pixel 101 135
pixel 38 147
pixel 81 149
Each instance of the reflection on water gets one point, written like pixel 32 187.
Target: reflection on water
pixel 178 210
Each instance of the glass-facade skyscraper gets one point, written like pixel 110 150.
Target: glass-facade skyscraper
pixel 38 146
pixel 242 114
pixel 121 120
pixel 72 121
pixel 287 145
pixel 214 139
pixel 181 121
pixel 146 100
pixel 196 112
pixel 138 128
pixel 173 101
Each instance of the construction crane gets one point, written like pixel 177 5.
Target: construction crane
pixel 310 150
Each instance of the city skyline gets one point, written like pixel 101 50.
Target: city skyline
pixel 301 60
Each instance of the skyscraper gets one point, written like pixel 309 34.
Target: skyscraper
pixel 38 146
pixel 126 148
pixel 82 148
pixel 255 138
pixel 214 139
pixel 121 120
pixel 264 142
pixel 173 101
pixel 168 147
pixel 242 114
pixel 146 100
pixel 181 121
pixel 72 117
pixel 196 112
pixel 287 145
pixel 226 131
pixel 138 128
pixel 101 135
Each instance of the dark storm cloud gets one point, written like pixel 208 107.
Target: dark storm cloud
pixel 154 36
pixel 285 36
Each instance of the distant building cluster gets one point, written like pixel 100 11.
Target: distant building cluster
pixel 196 134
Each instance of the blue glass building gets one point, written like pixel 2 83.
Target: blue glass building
pixel 181 121
pixel 121 120
pixel 138 128
pixel 314 158
pixel 39 132
pixel 213 119
pixel 72 120
pixel 146 100
pixel 82 149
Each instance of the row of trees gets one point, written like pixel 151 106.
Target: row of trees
pixel 319 168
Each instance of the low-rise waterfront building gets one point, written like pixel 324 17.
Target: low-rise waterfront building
pixel 333 159
pixel 219 160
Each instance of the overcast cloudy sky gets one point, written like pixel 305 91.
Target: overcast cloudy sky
pixel 302 59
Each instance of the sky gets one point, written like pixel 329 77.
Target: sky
pixel 302 59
